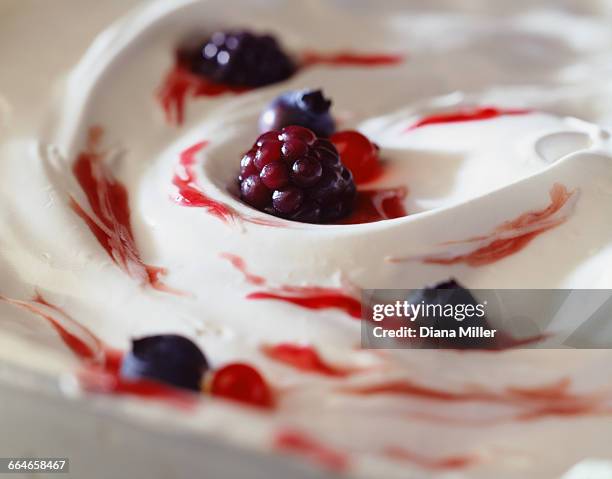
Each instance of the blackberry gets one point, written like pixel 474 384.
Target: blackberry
pixel 295 175
pixel 307 108
pixel 240 58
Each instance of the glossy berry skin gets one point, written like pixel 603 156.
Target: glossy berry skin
pixel 359 155
pixel 243 383
pixel 167 358
pixel 307 108
pixel 293 174
pixel 239 58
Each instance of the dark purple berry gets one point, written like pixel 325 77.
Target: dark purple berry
pixel 298 177
pixel 166 358
pixel 239 58
pixel 307 108
pixel 254 192
pixel 275 175
pixel 288 200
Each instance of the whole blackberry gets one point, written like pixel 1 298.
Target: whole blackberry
pixel 241 58
pixel 295 175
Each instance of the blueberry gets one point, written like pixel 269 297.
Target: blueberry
pixel 450 292
pixel 307 108
pixel 167 358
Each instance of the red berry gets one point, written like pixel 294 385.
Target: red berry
pixel 358 154
pixel 243 383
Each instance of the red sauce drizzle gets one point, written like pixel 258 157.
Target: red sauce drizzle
pixel 377 205
pixel 80 340
pixel 445 463
pixel 298 443
pixel 101 363
pixel 370 206
pixel 340 59
pixel 180 83
pixel 537 402
pixel 304 358
pixel 466 114
pixel 189 194
pixel 238 263
pixel 310 297
pixel 110 221
pixel 512 236
pixel 313 298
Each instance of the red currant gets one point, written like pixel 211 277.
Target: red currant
pixel 243 383
pixel 358 154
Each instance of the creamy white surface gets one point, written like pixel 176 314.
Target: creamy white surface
pixel 463 180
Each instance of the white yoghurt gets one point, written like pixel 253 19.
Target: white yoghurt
pixel 463 179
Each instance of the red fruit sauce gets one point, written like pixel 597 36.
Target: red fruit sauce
pixel 309 297
pixel 238 263
pixel 101 363
pixel 513 235
pixel 399 453
pixel 110 218
pixel 466 114
pixel 303 358
pixel 370 206
pixel 180 83
pixel 535 402
pixel 313 298
pixel 190 194
pixel 358 154
pixel 243 383
pixel 298 443
pixel 310 58
pixel 377 205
